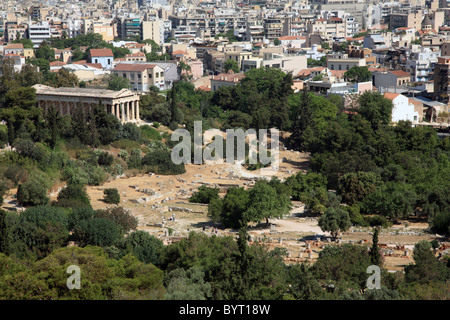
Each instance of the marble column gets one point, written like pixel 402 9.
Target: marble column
pixel 116 112
pixel 137 110
pixel 133 114
pixel 122 105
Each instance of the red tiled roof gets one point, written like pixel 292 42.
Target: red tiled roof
pixel 400 73
pixel 317 69
pixel 204 88
pixel 230 76
pixel 137 54
pixel 179 52
pixel 133 67
pixel 95 65
pixel 373 69
pixel 304 72
pixel 12 55
pixel 391 95
pixel 57 63
pixel 337 73
pixel 80 62
pixel 14 46
pixel 426 31
pixel 101 53
pixel 292 38
pixel 354 39
pixel 135 45
pixel 415 102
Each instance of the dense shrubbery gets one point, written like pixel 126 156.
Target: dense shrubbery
pixel 392 171
pixel 111 196
pixel 205 195
pixel 239 206
pixel 363 171
pixel 160 162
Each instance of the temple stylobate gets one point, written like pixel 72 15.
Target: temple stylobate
pixel 123 104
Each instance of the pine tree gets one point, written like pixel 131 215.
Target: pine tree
pixel 176 114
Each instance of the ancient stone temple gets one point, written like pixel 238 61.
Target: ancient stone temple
pixel 123 104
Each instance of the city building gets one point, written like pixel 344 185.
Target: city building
pixel 38 32
pixel 103 56
pixel 441 79
pixel 402 108
pixel 421 64
pixel 141 75
pixel 341 61
pixel 390 79
pixel 225 79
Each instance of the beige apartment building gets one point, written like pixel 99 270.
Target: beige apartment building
pixel 138 56
pixel 274 28
pixel 342 61
pixel 15 32
pixel 237 56
pixel 152 30
pixel 141 75
pixel 406 19
pixel 102 27
pixel 333 27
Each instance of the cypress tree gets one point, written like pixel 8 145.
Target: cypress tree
pixel 374 252
pixel 4 238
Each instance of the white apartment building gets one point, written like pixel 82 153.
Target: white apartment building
pixel 421 64
pixel 38 32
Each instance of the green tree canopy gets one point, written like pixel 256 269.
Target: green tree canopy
pixel 358 74
pixel 117 83
pixel 334 220
pixel 375 108
pixel 231 65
